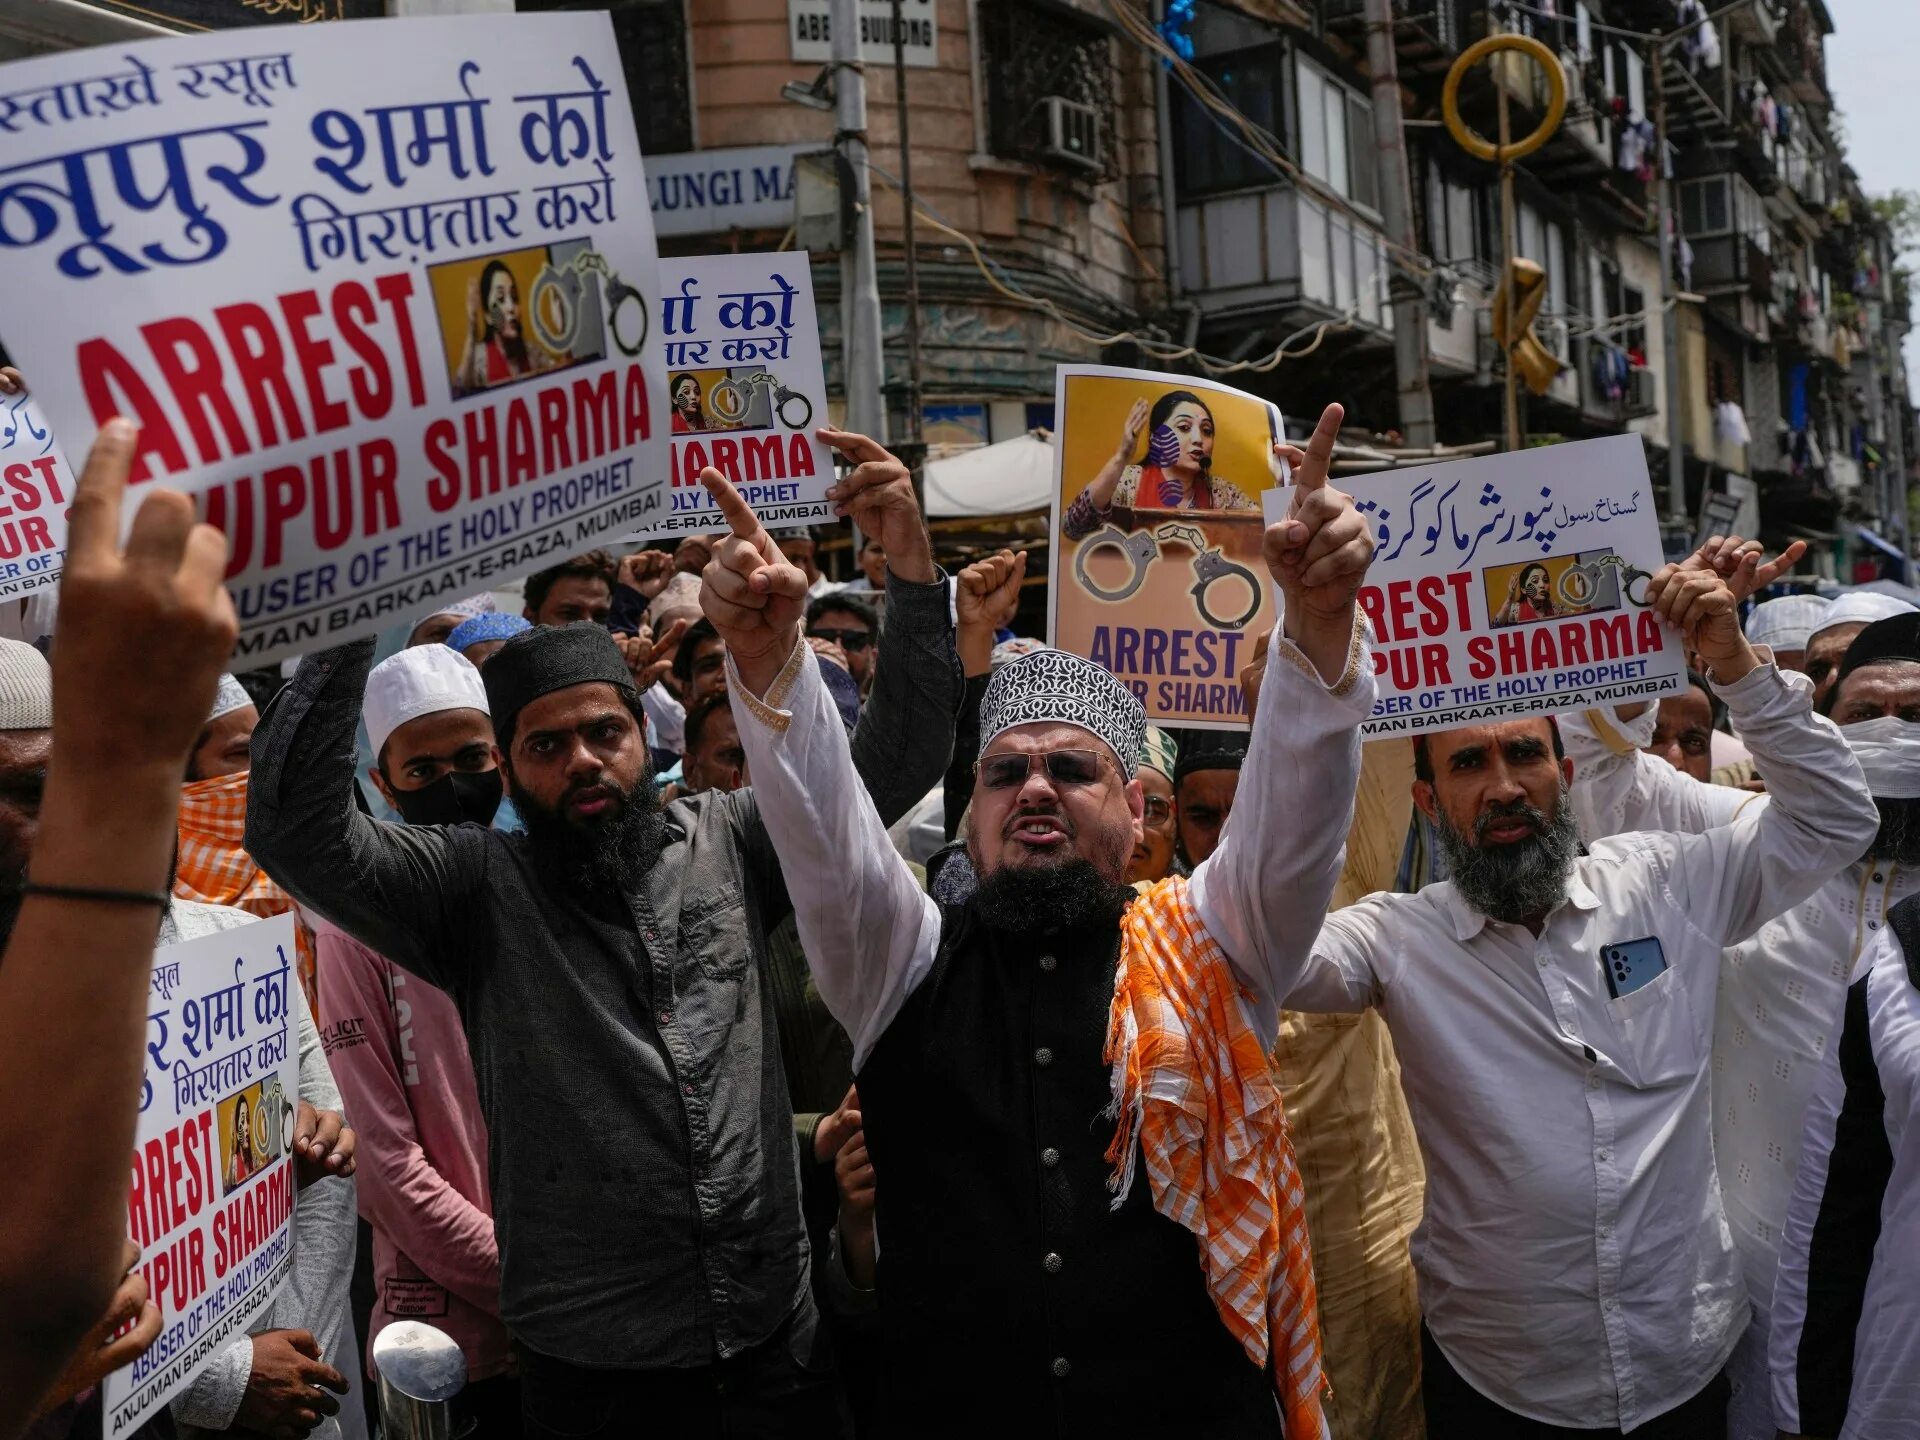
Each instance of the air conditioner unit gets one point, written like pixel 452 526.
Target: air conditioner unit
pixel 1073 133
pixel 1642 395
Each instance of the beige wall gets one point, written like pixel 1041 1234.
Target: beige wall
pixel 1019 212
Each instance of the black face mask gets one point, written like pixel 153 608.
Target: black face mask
pixel 458 795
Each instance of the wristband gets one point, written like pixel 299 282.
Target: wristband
pixel 101 894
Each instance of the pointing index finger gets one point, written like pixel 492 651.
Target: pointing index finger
pixel 1311 474
pixel 739 515
pixel 857 448
pixel 93 524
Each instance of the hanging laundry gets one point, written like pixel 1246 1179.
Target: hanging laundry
pixel 1730 423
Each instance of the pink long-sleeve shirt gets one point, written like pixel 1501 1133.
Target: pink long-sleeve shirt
pixel 400 1056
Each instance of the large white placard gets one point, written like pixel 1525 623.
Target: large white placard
pixel 36 487
pixel 1512 585
pixel 380 293
pixel 212 1197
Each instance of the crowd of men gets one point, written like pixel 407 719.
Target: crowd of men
pixel 738 1004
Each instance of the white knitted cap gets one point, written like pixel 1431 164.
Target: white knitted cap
pixel 230 695
pixel 421 681
pixel 1861 606
pixel 26 688
pixel 1786 623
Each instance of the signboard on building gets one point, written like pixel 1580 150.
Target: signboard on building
pixel 229 14
pixel 808 24
pixel 703 192
pixel 382 296
pixel 1512 585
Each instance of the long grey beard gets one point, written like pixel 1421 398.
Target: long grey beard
pixel 1512 883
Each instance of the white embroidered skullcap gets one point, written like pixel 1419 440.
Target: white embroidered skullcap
pixel 1786 623
pixel 228 696
pixel 1053 686
pixel 421 681
pixel 1861 607
pixel 26 688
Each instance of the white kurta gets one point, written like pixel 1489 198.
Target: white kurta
pixel 1574 1260
pixel 1846 1335
pixel 1776 1017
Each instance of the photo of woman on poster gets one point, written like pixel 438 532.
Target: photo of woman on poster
pixel 496 347
pixel 240 1161
pixel 687 413
pixel 1529 597
pixel 1175 473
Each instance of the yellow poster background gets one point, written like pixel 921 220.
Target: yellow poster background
pixel 1150 636
pixel 450 282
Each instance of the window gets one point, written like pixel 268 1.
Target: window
pixel 654 60
pixel 1336 136
pixel 1453 218
pixel 1030 55
pixel 1247 63
pixel 1704 209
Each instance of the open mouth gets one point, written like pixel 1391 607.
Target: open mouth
pixel 594 801
pixel 1040 831
pixel 1509 830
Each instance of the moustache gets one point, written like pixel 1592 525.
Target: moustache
pixel 1508 810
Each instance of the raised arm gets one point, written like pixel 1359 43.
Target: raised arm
pixel 869 930
pixel 1263 891
pixel 405 891
pixel 1820 816
pixel 905 735
pixel 143 636
pixel 1619 788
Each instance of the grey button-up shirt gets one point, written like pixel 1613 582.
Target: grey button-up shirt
pixel 644 1175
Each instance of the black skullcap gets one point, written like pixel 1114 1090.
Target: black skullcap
pixel 1209 750
pixel 545 659
pixel 1896 638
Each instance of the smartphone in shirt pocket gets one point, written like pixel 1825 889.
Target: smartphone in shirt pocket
pixel 1651 1012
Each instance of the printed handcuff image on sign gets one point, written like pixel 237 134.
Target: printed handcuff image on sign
pixel 1158 574
pixel 1559 587
pixel 256 1129
pixel 521 313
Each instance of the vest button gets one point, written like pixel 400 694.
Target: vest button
pixel 1049 1157
pixel 1061 1368
pixel 1048 963
pixel 1043 1057
pixel 1053 1262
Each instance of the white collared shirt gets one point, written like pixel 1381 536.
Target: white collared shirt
pixel 1575 1262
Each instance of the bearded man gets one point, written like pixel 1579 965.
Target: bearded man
pixel 1089 1218
pixel 1551 1012
pixel 1779 1010
pixel 609 966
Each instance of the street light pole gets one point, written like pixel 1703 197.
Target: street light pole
pixel 1669 305
pixel 1396 205
pixel 861 344
pixel 912 435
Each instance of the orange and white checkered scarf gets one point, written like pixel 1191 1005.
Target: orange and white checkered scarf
pixel 215 868
pixel 1192 1086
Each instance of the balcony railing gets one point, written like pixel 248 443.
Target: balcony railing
pixel 1283 248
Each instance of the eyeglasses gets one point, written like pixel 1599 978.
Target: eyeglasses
pixel 850 641
pixel 1064 767
pixel 1159 811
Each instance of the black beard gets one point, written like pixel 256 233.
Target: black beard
pixel 1037 899
pixel 601 858
pixel 1512 883
pixel 1898 842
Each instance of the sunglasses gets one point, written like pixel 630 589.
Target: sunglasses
pixel 850 641
pixel 1064 767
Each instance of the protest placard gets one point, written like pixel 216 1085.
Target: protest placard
pixel 380 293
pixel 746 389
pixel 211 1204
pixel 1156 570
pixel 36 486
pixel 1512 585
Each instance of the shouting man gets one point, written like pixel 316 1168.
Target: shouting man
pixel 609 966
pixel 1088 1213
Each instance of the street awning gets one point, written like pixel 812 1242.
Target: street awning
pixel 1012 477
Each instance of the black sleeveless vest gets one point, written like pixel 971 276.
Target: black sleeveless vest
pixel 1014 1300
